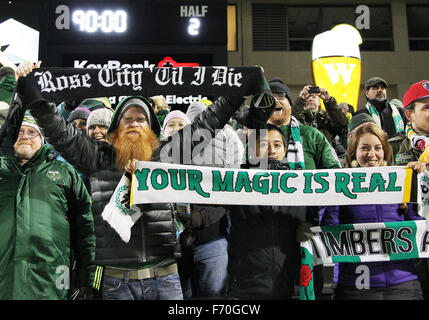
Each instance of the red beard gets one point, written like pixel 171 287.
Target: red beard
pixel 138 146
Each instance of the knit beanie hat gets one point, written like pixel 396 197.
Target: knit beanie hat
pixel 30 122
pixel 175 114
pixel 278 86
pixel 135 101
pixel 79 113
pixel 96 103
pixel 194 109
pixel 359 119
pixel 101 117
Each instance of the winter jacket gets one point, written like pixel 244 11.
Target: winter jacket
pixel 385 111
pixel 331 122
pixel 45 210
pixel 264 255
pixel 382 274
pixel 153 236
pixel 7 86
pixel 402 150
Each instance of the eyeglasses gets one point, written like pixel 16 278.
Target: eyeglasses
pixel 30 133
pixel 279 96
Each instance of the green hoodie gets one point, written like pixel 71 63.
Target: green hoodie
pixel 45 210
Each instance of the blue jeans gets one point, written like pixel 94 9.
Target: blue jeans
pixel 208 275
pixel 161 288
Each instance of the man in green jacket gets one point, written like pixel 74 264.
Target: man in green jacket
pixel 45 212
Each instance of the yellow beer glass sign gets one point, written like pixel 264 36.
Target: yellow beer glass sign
pixel 336 63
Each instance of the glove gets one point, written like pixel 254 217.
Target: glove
pixel 278 165
pixel 303 232
pixel 261 108
pixel 70 105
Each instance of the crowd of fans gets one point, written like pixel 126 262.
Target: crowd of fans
pixel 68 159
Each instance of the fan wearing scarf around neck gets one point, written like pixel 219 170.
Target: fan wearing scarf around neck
pixel 411 147
pixel 387 115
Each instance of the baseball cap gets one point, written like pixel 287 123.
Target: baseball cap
pixel 417 91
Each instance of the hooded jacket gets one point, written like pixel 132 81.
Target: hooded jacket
pixel 45 210
pixel 153 236
pixel 382 274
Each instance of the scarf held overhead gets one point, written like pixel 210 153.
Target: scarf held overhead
pixel 59 84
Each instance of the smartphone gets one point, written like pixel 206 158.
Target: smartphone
pixel 314 90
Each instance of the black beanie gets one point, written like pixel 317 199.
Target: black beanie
pixel 278 86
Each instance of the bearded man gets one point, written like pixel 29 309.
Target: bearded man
pixel 145 267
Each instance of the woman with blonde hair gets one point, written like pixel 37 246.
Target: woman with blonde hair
pixel 387 280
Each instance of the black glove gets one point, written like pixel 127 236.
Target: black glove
pixel 30 94
pixel 70 105
pixel 261 108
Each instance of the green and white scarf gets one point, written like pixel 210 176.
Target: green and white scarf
pixel 397 119
pixel 295 152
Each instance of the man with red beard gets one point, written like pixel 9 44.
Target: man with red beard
pixel 145 267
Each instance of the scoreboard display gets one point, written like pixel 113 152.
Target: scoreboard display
pixel 155 22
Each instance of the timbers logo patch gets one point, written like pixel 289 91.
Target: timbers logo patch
pixel 122 200
pixel 53 175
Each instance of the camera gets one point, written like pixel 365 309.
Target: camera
pixel 314 90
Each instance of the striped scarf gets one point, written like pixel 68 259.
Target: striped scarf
pixel 419 142
pixel 397 119
pixel 295 152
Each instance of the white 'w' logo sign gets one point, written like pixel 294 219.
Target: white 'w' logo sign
pixel 334 71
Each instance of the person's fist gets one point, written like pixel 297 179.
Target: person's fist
pixel 26 68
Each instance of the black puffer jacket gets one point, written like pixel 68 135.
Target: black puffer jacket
pixel 153 236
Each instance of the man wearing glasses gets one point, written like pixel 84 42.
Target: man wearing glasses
pixel 387 116
pixel 45 211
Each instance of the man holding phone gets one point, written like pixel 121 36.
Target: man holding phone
pixel 330 122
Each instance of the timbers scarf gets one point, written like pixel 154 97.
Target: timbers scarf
pixel 419 142
pixel 295 152
pixel 397 119
pixel 346 243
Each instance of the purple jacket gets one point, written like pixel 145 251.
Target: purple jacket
pixel 382 274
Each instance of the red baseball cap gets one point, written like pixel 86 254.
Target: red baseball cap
pixel 417 91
